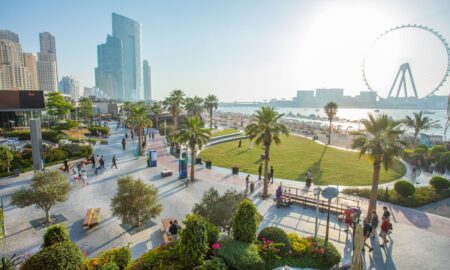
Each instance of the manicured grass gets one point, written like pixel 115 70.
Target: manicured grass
pixel 295 155
pixel 223 132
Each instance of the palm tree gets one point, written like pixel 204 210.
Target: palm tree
pixel 265 128
pixel 211 104
pixel 174 104
pixel 193 135
pixel 156 109
pixel 419 123
pixel 194 106
pixel 138 118
pixel 381 141
pixel 330 109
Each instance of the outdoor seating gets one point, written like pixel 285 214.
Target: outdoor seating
pixel 92 217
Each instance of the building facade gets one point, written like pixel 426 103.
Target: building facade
pixel 14 75
pixel 31 65
pixel 47 68
pixel 147 80
pixel 70 86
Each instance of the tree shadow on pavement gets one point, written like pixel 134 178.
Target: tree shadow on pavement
pixel 140 248
pixel 416 217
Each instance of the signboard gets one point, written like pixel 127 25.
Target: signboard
pixel 24 100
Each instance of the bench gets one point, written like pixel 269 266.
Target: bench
pixel 165 228
pixel 92 218
pixel 166 173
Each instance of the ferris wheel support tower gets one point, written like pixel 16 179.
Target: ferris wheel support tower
pixel 403 70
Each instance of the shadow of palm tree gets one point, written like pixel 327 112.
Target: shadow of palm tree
pixel 315 168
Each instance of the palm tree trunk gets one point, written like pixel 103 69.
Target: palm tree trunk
pixel 210 117
pixel 374 190
pixel 416 132
pixel 329 132
pixel 266 170
pixel 157 121
pixel 139 141
pixel 175 121
pixel 192 165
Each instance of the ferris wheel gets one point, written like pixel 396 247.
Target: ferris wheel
pixel 407 61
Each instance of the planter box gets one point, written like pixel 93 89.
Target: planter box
pixel 208 164
pixel 198 161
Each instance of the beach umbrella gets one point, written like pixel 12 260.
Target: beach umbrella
pixel 357 256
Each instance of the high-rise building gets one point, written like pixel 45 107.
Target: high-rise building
pixel 30 64
pixel 70 86
pixel 147 80
pixel 305 98
pixel 14 75
pixel 109 73
pixel 46 65
pixel 325 95
pixel 129 32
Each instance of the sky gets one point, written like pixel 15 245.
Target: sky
pixel 248 50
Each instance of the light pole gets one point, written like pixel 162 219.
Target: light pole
pixel 317 191
pixel 329 193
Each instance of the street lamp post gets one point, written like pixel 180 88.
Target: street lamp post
pixel 329 193
pixel 317 191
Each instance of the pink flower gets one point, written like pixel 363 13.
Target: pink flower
pixel 216 246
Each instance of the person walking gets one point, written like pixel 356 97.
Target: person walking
pixel 260 171
pixel 385 225
pixel 349 215
pixel 309 178
pixel 124 143
pixel 240 143
pixel 374 222
pixel 114 162
pixel 367 230
pixel 93 161
pixel 66 166
pixel 126 135
pixel 102 164
pixel 271 174
pixel 387 215
pixel 97 162
pixel 247 183
pixel 279 196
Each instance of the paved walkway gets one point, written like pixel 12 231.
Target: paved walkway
pixel 420 240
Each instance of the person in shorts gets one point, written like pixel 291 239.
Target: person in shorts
pixel 349 215
pixel 385 225
pixel 367 230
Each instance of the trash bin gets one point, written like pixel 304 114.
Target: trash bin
pixel 235 170
pixel 208 164
pixel 16 172
pixel 252 187
pixel 198 161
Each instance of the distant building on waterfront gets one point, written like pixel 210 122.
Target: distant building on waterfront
pixel 14 73
pixel 47 68
pixel 70 86
pixel 147 80
pixel 305 98
pixel 325 95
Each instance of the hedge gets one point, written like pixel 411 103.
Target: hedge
pixel 55 234
pixel 159 258
pixel 444 160
pixel 241 255
pixel 437 150
pixel 99 129
pixel 245 222
pixel 276 235
pixel 48 135
pixel 60 256
pixel 404 188
pixel 439 183
pixel 120 256
pixel 215 263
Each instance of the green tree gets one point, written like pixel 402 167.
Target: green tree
pixel 246 222
pixel 211 103
pixel 65 255
pixel 156 108
pixel 57 105
pixel 381 142
pixel 265 129
pixel 419 122
pixel 6 157
pixel 138 119
pixel 219 209
pixel 135 201
pixel 46 190
pixel 55 234
pixel 330 109
pixel 193 135
pixel 86 110
pixel 174 104
pixel 194 106
pixel 194 241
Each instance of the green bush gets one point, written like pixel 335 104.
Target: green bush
pixel 22 135
pixel 408 154
pixel 67 125
pixel 99 129
pixel 420 153
pixel 241 255
pixel 212 233
pixel 51 135
pixel 276 235
pixel 159 258
pixel 1 222
pixel 299 245
pixel 439 183
pixel 73 149
pixel 245 222
pixel 422 146
pixel 215 263
pixel 437 150
pixel 444 160
pixel 120 256
pixel 86 150
pixel 110 266
pixel 60 256
pixel 55 234
pixel 59 154
pixel 404 188
pixel 194 241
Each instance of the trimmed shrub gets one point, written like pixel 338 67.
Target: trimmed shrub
pixel 51 135
pixel 212 233
pixel 299 245
pixel 437 150
pixel 444 160
pixel 159 258
pixel 120 256
pixel 422 146
pixel 276 235
pixel 59 154
pixel 73 149
pixel 215 263
pixel 404 188
pixel 245 222
pixel 99 129
pixel 110 266
pixel 22 135
pixel 86 150
pixel 420 153
pixel 194 241
pixel 60 256
pixel 241 255
pixel 55 234
pixel 439 183
pixel 67 125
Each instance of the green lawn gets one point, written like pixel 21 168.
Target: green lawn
pixel 223 132
pixel 295 155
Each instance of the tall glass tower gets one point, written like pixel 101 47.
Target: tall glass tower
pixel 129 32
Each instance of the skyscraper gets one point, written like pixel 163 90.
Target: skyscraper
pixel 109 72
pixel 129 32
pixel 46 65
pixel 31 65
pixel 70 86
pixel 14 75
pixel 147 80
